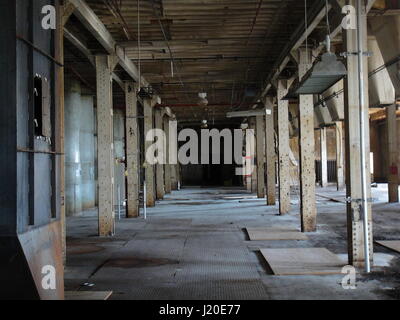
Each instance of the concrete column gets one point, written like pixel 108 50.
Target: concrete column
pixel 353 147
pixel 119 158
pixel 324 158
pixel 105 148
pixel 160 190
pixel 149 140
pixel 132 150
pixel 173 152
pixel 253 155
pixel 393 182
pixel 308 209
pixel 73 175
pixel 167 166
pixel 339 156
pixel 270 151
pixel 283 148
pixel 248 160
pixel 260 136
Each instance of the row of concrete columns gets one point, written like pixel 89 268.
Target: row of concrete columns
pixel 347 153
pixel 159 179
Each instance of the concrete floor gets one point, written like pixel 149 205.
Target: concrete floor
pixel 193 246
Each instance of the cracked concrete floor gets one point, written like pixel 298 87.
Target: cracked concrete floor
pixel 193 246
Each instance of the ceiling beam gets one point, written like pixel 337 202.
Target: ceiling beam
pixel 94 25
pixel 83 49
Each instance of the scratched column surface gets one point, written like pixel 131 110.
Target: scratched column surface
pixel 283 149
pixel 393 183
pixel 132 150
pixel 105 138
pixel 260 136
pixel 353 164
pixel 308 210
pixel 160 190
pixel 149 170
pixel 167 166
pixel 270 152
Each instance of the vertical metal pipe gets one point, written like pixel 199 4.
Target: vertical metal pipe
pixel 361 92
pixel 145 200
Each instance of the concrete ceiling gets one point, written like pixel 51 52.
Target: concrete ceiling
pixel 224 48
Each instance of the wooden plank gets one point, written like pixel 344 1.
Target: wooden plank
pixel 256 234
pixel 260 142
pixel 88 295
pixel 302 261
pixel 390 244
pixel 308 208
pixel 270 152
pixel 283 148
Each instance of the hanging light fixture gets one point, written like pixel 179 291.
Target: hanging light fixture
pixel 202 99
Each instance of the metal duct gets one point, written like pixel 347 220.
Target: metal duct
pixel 323 75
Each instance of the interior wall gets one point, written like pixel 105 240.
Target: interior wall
pixel 80 159
pixel 379 149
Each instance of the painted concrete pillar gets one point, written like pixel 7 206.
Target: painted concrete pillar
pixel 132 150
pixel 283 148
pixel 105 150
pixel 340 183
pixel 167 166
pixel 308 208
pixel 149 140
pixel 253 154
pixel 353 164
pixel 160 190
pixel 270 151
pixel 393 181
pixel 173 153
pixel 119 157
pixel 260 147
pixel 324 157
pixel 73 170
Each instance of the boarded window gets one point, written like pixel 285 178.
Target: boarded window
pixel 42 107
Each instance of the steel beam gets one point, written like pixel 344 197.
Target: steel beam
pixel 90 20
